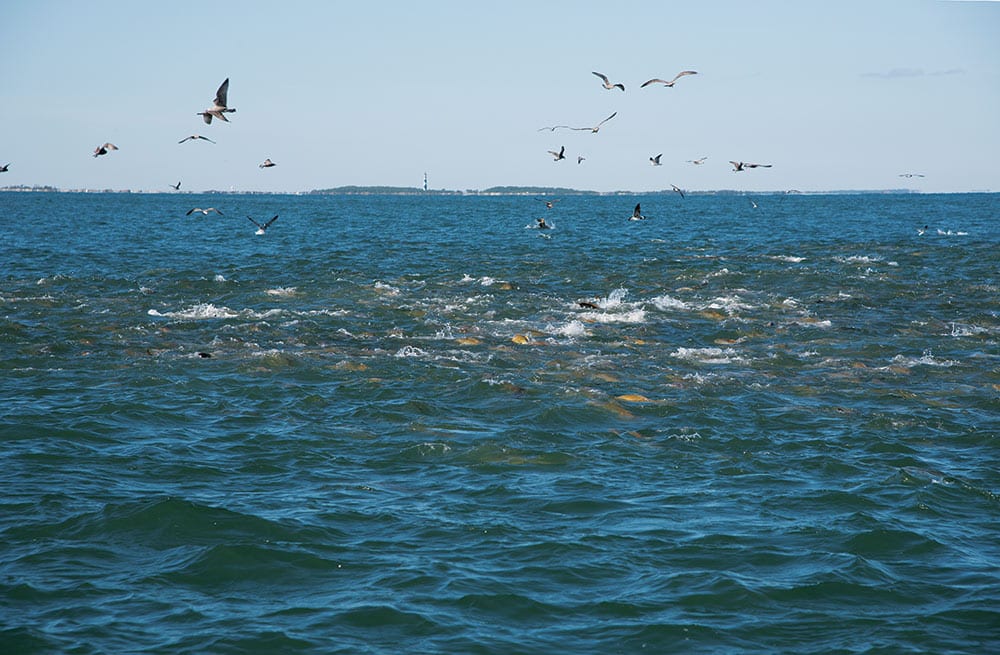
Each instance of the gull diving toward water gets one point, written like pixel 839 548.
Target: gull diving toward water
pixel 219 109
pixel 655 161
pixel 739 166
pixel 597 127
pixel 559 155
pixel 677 189
pixel 203 211
pixel 607 83
pixel 196 136
pixel 176 187
pixel 103 150
pixel 637 214
pixel 267 163
pixel 657 80
pixel 697 162
pixel 263 228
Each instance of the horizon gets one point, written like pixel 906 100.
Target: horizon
pixel 465 94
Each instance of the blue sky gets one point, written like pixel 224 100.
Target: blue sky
pixel 834 95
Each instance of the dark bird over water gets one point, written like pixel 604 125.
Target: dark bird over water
pixel 262 228
pixel 176 187
pixel 559 155
pixel 677 189
pixel 196 136
pixel 103 150
pixel 637 214
pixel 219 108
pixel 607 83
pixel 657 80
pixel 548 203
pixel 203 211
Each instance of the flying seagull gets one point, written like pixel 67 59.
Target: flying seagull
pixel 219 109
pixel 657 80
pixel 176 187
pixel 597 127
pixel 263 228
pixel 103 150
pixel 579 159
pixel 739 166
pixel 559 155
pixel 203 211
pixel 196 136
pixel 911 175
pixel 3 169
pixel 548 203
pixel 607 83
pixel 267 163
pixel 677 189
pixel 655 161
pixel 698 161
pixel 637 214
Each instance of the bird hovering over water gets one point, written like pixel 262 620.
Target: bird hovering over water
pixel 219 109
pixel 655 161
pixel 104 149
pixel 196 136
pixel 597 127
pixel 267 163
pixel 607 83
pixel 657 80
pixel 739 166
pixel 637 214
pixel 176 187
pixel 263 228
pixel 677 189
pixel 559 155
pixel 203 211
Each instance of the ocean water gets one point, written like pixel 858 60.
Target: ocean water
pixel 389 426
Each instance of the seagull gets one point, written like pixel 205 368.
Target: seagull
pixel 579 159
pixel 597 127
pixel 559 155
pixel 3 169
pixel 911 175
pixel 203 211
pixel 548 203
pixel 677 189
pixel 262 228
pixel 739 166
pixel 698 161
pixel 103 150
pixel 637 214
pixel 267 163
pixel 218 108
pixel 655 161
pixel 196 136
pixel 607 84
pixel 754 204
pixel 657 80
pixel 176 187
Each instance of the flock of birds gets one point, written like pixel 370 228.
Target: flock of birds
pixel 220 107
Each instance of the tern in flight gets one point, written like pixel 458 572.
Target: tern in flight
pixel 607 83
pixel 263 228
pixel 559 155
pixel 267 163
pixel 203 211
pixel 595 129
pixel 103 150
pixel 196 136
pixel 739 166
pixel 655 161
pixel 637 214
pixel 219 109
pixel 657 80
pixel 698 161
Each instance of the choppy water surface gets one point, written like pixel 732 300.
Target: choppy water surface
pixel 770 429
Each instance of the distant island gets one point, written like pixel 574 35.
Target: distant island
pixel 491 191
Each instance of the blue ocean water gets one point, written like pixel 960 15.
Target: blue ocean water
pixel 416 424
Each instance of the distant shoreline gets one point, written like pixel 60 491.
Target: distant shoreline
pixel 492 191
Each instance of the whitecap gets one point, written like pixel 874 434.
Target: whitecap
pixel 220 278
pixel 635 316
pixel 665 302
pixel 282 291
pixel 197 312
pixel 410 351
pixel 707 355
pixel 927 359
pixel 572 329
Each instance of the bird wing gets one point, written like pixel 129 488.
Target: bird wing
pixel 607 119
pixel 267 224
pixel 602 76
pixel 185 139
pixel 217 211
pixel 207 116
pixel 655 80
pixel 255 223
pixel 222 94
pixel 682 74
pixel 636 212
